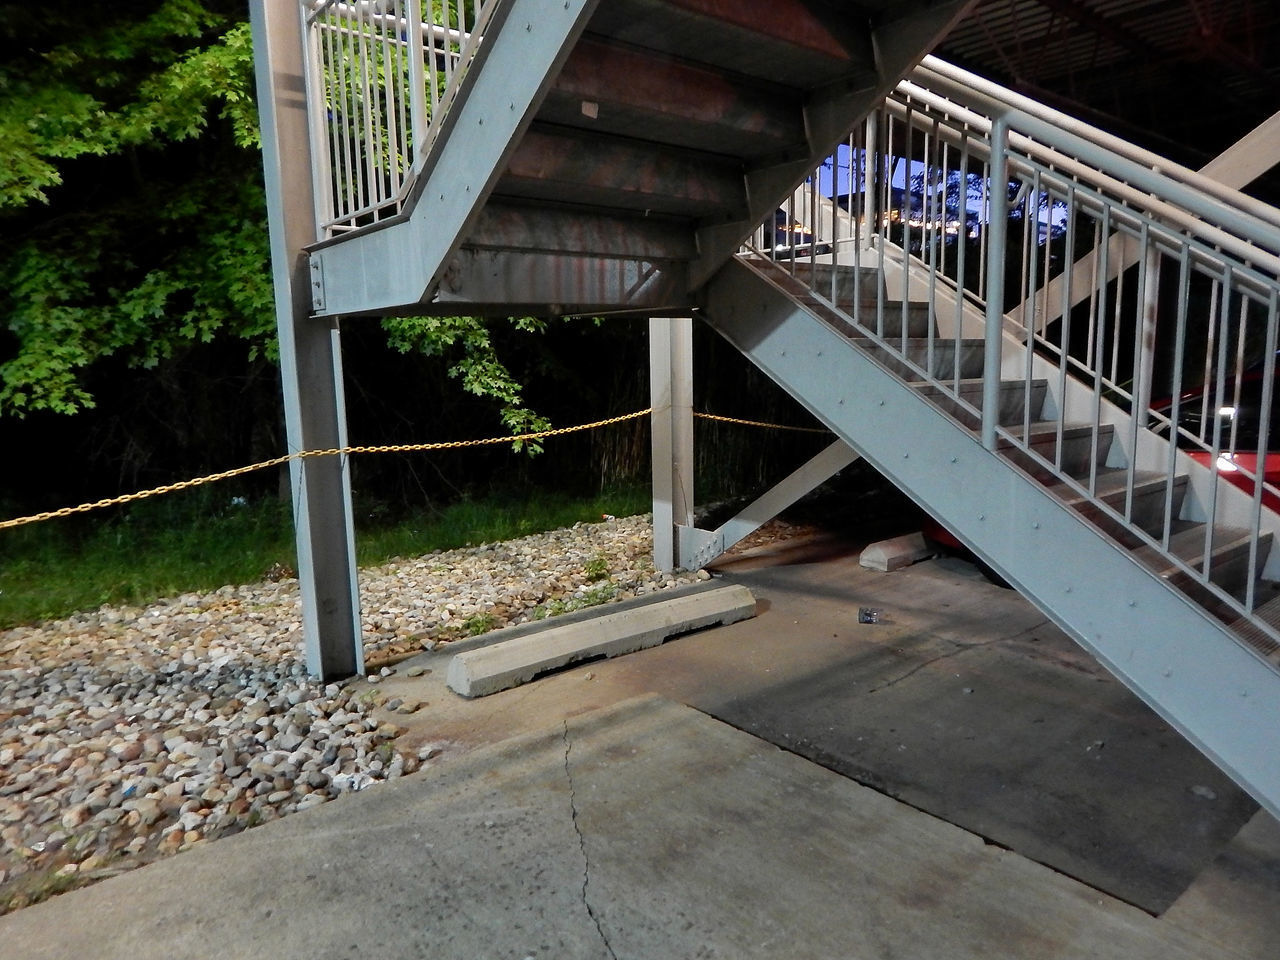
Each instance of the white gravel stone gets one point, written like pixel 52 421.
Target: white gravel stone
pixel 127 732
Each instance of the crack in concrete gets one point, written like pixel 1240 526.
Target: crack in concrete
pixel 582 844
pixel 961 648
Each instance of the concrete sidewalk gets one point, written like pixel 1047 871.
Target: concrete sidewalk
pixel 710 798
pixel 644 830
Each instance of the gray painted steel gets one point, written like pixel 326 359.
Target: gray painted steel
pixel 310 356
pixel 1189 668
pixel 395 266
pixel 703 546
pixel 671 435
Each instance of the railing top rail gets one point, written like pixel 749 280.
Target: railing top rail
pixel 1175 204
pixel 365 11
pixel 969 88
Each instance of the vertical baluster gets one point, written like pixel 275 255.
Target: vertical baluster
pixel 998 222
pixel 908 202
pixel 1031 231
pixel 1179 358
pixel 1098 330
pixel 962 245
pixel 1139 330
pixel 1219 391
pixel 1215 293
pixel 932 171
pixel 1114 375
pixel 1264 446
pixel 1064 353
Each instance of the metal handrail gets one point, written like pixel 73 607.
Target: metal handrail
pixel 381 79
pixel 1165 284
pixel 939 75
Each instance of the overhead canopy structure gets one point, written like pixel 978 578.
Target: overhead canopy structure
pixel 1185 77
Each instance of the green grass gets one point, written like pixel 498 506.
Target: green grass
pixel 201 540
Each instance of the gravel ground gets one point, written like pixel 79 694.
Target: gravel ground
pixel 132 733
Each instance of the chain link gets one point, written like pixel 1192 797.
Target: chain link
pixel 345 451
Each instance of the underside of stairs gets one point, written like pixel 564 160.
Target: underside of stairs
pixel 609 157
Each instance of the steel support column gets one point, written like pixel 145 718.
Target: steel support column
pixel 671 396
pixel 310 354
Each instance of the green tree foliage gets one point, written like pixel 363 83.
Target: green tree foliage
pixel 132 220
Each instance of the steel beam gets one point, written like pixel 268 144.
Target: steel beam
pixel 537 228
pixel 573 167
pixel 310 355
pixel 504 283
pixel 700 547
pixel 671 397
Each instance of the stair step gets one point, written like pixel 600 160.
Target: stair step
pixel 667 100
pixel 919 314
pixel 1078 452
pixel 1147 512
pixel 919 318
pixel 796 50
pixel 917 352
pixel 1228 559
pixel 863 283
pixel 1013 396
pixel 1255 636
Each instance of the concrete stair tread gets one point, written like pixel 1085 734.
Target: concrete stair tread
pixel 1111 483
pixel 1188 546
pixel 1048 429
pixel 971 385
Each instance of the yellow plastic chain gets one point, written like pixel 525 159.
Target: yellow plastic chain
pixel 305 455
pixel 337 451
pixel 759 423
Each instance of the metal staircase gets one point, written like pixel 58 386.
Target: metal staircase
pixel 982 297
pixel 910 312
pixel 588 157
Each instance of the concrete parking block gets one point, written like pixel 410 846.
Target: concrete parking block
pixel 509 663
pixel 894 554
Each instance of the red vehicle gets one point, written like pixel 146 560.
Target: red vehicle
pixel 1238 436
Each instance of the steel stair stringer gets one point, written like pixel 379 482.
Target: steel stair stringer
pixel 396 264
pixel 1186 665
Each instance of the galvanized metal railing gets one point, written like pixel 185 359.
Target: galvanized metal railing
pixel 1145 295
pixel 381 76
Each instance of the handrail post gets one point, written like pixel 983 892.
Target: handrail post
pixel 869 200
pixel 418 113
pixel 997 231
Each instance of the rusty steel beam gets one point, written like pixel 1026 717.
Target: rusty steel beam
pixel 621 89
pixel 559 165
pixel 506 283
pixel 789 20
pixel 541 228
